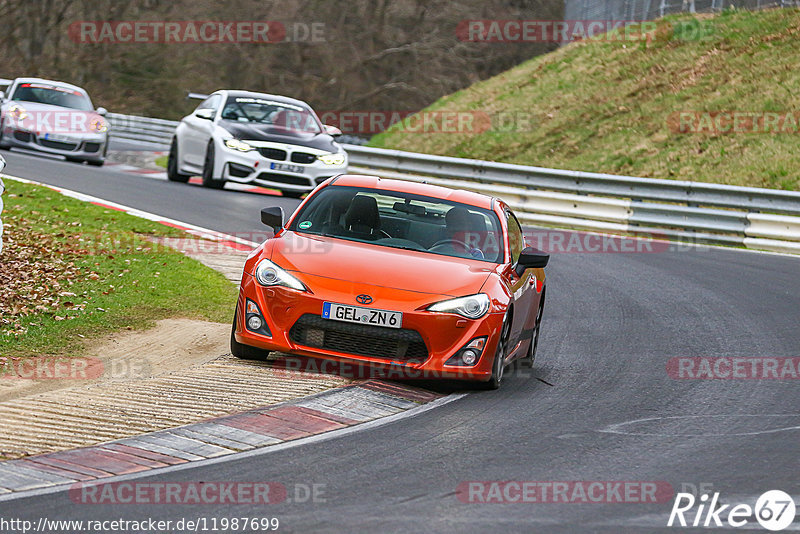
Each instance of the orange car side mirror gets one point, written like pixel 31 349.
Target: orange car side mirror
pixel 532 258
pixel 273 217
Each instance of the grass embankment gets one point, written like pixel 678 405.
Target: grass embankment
pixel 71 271
pixel 607 106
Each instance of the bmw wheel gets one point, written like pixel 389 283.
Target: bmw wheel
pixel 208 170
pixel 173 175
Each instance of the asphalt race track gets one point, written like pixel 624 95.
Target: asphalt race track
pixel 612 322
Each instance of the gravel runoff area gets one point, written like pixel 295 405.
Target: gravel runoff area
pixel 178 373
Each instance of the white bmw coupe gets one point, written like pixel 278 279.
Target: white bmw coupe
pixel 255 138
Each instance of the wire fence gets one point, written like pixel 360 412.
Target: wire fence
pixel 630 10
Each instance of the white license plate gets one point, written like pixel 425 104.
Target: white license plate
pixel 285 167
pixel 56 137
pixel 356 314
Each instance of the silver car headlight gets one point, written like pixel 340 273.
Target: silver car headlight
pixel 471 307
pixel 268 274
pixel 99 125
pixel 332 159
pixel 236 144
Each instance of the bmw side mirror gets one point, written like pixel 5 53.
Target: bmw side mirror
pixel 205 113
pixel 2 163
pixel 333 131
pixel 273 217
pixel 532 258
pixel 102 111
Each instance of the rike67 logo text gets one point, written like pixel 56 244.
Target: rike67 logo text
pixel 774 510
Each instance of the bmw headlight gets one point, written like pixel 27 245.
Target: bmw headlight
pixel 236 144
pixel 332 159
pixel 471 307
pixel 268 274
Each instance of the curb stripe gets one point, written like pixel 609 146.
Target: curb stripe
pixel 332 410
pixel 62 464
pixel 150 455
pixel 56 470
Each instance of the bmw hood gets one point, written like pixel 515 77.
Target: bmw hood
pixel 266 132
pixel 367 264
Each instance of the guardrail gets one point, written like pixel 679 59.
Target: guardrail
pixel 145 129
pixel 691 211
pixel 698 212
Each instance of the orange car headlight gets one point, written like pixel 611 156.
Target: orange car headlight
pixel 268 274
pixel 471 307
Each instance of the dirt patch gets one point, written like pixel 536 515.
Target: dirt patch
pixel 177 373
pixel 172 345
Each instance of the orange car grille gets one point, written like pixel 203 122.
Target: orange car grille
pixel 362 340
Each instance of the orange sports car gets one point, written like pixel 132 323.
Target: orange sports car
pixel 392 274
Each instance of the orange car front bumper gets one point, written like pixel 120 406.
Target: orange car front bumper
pixel 295 324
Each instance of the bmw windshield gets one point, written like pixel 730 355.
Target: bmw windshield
pixel 282 116
pixel 403 220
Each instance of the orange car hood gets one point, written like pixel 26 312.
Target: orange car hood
pixel 380 266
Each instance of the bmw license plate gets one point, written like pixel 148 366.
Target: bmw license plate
pixel 285 167
pixel 356 314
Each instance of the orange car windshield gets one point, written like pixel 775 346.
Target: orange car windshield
pixel 402 220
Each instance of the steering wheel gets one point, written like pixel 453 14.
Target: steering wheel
pixel 463 245
pixel 385 233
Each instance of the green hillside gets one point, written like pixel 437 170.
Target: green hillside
pixel 615 106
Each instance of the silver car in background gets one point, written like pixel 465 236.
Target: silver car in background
pixel 2 190
pixel 53 117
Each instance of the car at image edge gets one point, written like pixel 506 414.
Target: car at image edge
pixel 394 274
pixel 54 117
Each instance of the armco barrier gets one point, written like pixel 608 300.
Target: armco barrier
pixel 133 128
pixel 695 211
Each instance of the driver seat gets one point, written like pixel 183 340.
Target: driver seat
pixel 362 217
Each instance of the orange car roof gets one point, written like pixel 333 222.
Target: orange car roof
pixel 415 188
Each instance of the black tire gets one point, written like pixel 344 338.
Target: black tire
pixel 172 165
pixel 208 170
pixel 79 161
pixel 3 146
pixel 245 352
pixel 96 162
pixel 293 194
pixel 498 364
pixel 528 360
